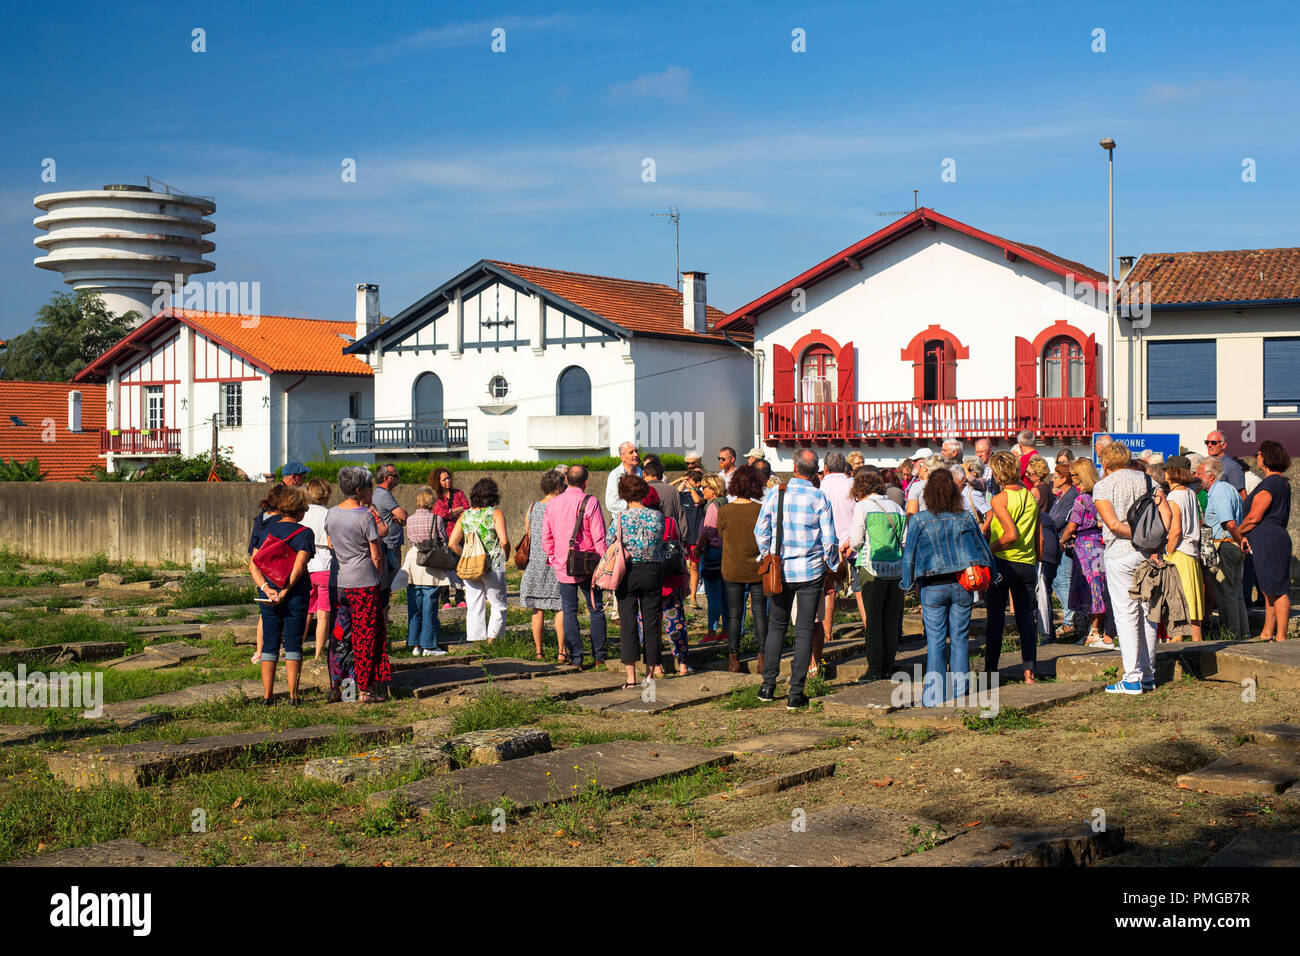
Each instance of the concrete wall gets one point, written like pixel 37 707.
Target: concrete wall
pixel 153 522
pixel 694 398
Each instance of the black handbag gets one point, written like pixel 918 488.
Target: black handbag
pixel 434 553
pixel 580 565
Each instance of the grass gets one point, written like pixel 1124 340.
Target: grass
pixel 925 839
pixel 206 589
pixel 742 698
pixel 581 737
pixel 494 709
pixel 13 574
pixel 33 628
pixel 1007 719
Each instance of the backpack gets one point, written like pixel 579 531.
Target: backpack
pixel 474 561
pixel 1148 528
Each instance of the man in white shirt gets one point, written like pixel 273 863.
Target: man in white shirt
pixel 631 465
pixel 726 464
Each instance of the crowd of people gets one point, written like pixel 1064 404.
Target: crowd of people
pixel 1147 549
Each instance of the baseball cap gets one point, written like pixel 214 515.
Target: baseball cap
pixel 295 468
pixel 756 453
pixel 919 454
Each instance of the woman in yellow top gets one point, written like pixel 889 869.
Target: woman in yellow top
pixel 1016 539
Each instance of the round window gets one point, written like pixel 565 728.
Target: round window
pixel 498 386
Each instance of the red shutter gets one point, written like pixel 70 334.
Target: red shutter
pixel 1026 384
pixel 1090 384
pixel 848 411
pixel 918 374
pixel 781 420
pixel 948 388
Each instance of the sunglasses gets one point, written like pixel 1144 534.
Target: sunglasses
pixel 1209 442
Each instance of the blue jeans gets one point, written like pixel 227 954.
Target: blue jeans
pixel 1061 588
pixel 572 635
pixel 285 622
pixel 945 608
pixel 422 627
pixel 716 595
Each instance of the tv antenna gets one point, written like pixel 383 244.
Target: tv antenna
pixel 673 216
pixel 903 212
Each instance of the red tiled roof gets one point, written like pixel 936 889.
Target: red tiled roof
pixel 1239 275
pixel 645 307
pixel 744 317
pixel 274 343
pixel 72 454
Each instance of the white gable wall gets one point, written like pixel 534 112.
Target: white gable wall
pixel 693 397
pixel 930 277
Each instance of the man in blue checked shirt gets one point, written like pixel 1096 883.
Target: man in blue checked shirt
pixel 808 549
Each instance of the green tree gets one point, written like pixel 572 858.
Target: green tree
pixel 71 331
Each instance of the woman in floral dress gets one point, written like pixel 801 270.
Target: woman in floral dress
pixel 1083 531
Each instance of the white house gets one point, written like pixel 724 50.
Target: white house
pixel 513 362
pixel 1219 347
pixel 273 383
pixel 925 330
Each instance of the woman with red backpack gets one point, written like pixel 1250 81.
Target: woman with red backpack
pixel 281 550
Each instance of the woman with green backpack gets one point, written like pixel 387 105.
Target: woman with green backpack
pixel 481 541
pixel 877 537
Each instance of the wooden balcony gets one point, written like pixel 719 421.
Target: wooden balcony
pixel 140 443
pixel 443 435
pixel 919 422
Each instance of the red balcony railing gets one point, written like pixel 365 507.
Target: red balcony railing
pixel 133 441
pixel 915 421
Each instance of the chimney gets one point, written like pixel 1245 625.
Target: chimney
pixel 367 309
pixel 74 411
pixel 1125 266
pixel 694 302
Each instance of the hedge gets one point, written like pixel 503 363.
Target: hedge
pixel 417 472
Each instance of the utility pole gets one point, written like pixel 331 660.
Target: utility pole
pixel 212 472
pixel 672 215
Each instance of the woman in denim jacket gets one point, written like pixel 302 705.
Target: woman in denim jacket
pixel 942 541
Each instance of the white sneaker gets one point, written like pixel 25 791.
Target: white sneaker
pixel 436 652
pixel 417 652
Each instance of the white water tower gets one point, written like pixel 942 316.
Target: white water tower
pixel 120 240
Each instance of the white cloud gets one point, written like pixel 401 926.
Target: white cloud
pixel 672 84
pixel 468 34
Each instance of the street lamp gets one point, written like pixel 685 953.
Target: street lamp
pixel 1108 145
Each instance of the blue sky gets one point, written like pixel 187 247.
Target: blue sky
pixel 775 158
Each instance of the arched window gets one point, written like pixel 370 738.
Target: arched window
pixel 426 398
pixel 1063 375
pixel 817 374
pixel 573 392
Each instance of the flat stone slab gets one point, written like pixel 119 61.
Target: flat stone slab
pixel 841 836
pixel 146 762
pixel 158 656
pixel 1259 848
pixel 669 693
pixel 114 853
pixel 73 651
pixel 1278 735
pixel 568 686
pixel 902 702
pixel 1275 665
pixel 493 746
pixel 431 680
pixel 174 700
pixel 555 777
pixel 1173 660
pixel 245 634
pixel 1020 846
pixel 784 781
pixel 1250 769
pixel 178 629
pixel 781 743
pixel 424 757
